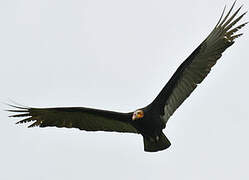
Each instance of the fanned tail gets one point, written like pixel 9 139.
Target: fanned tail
pixel 154 145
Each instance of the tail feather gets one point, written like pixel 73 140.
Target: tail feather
pixel 153 145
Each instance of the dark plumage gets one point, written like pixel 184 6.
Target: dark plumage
pixel 150 120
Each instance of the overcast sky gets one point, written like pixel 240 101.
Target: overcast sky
pixel 117 55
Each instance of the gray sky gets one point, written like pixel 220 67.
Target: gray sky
pixel 117 55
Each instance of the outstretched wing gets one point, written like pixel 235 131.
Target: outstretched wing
pixel 196 67
pixel 76 117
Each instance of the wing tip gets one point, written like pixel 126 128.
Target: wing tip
pixel 225 26
pixel 223 22
pixel 20 111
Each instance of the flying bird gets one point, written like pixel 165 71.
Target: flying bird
pixel 148 121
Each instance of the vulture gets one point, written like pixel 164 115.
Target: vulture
pixel 148 121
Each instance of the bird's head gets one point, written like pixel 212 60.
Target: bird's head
pixel 138 114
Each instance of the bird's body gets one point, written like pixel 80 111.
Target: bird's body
pixel 144 125
pixel 152 119
pixel 154 139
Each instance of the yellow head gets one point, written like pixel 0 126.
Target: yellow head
pixel 138 114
